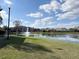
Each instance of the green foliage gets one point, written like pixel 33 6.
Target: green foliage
pixel 1 20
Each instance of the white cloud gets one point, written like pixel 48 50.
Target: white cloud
pixel 43 22
pixel 52 6
pixel 8 2
pixel 4 14
pixel 55 5
pixel 36 15
pixel 69 8
pixel 66 25
pixel 45 7
pixel 69 5
pixel 47 21
pixel 69 15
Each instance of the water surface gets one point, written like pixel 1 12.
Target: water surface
pixel 65 37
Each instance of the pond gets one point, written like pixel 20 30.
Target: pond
pixel 61 37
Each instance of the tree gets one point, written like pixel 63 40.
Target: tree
pixel 17 24
pixel 1 20
pixel 0 16
pixel 5 27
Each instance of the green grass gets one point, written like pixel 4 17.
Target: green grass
pixel 56 32
pixel 34 48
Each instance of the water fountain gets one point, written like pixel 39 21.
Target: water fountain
pixel 27 33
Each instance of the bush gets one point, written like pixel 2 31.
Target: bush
pixel 2 32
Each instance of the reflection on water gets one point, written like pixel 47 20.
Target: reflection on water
pixel 64 37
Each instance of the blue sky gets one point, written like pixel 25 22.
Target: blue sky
pixel 42 13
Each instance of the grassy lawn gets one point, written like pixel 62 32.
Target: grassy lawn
pixel 55 33
pixel 33 48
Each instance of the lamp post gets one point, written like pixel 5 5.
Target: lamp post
pixel 9 3
pixel 8 30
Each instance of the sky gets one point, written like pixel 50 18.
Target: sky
pixel 42 13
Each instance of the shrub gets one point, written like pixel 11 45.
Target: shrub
pixel 2 32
